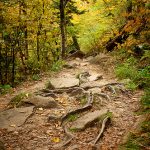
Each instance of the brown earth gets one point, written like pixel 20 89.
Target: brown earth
pixel 41 133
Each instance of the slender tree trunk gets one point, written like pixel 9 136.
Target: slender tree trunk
pixel 19 38
pixel 62 28
pixel 38 40
pixel 75 41
pixel 129 6
pixel 1 76
pixel 6 65
pixel 13 65
pixel 38 46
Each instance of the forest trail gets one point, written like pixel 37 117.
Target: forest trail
pixel 45 128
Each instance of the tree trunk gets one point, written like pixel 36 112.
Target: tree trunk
pixel 13 65
pixel 76 44
pixel 1 76
pixel 38 46
pixel 123 35
pixel 62 28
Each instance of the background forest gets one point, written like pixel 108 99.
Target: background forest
pixel 37 35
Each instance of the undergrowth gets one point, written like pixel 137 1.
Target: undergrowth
pixel 4 89
pixel 16 101
pixel 139 78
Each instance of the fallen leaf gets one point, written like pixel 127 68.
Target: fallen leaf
pixel 13 125
pixel 56 139
pixel 41 109
pixel 27 95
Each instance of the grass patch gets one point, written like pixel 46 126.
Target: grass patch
pixel 73 129
pixel 4 89
pixel 139 78
pixel 72 117
pixel 83 100
pixel 58 65
pixel 17 100
pixel 141 139
pixel 36 77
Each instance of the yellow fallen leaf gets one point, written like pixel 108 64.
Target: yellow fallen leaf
pixel 27 95
pixel 56 139
pixel 13 125
pixel 40 109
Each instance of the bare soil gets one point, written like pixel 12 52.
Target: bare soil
pixel 40 133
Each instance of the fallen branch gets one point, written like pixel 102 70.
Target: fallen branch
pixel 102 129
pixel 87 106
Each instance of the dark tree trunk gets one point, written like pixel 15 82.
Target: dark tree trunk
pixel 75 41
pixel 129 6
pixel 38 47
pixel 38 40
pixel 123 35
pixel 62 28
pixel 1 76
pixel 13 66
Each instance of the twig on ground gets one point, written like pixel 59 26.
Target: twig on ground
pixel 102 129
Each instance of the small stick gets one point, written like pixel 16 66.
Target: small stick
pixel 102 129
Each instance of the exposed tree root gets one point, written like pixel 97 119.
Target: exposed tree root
pixel 87 106
pixel 102 129
pixel 100 86
pixel 112 89
pixel 67 141
pixel 103 95
pixel 123 90
pixel 60 91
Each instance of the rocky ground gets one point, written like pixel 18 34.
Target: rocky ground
pixel 82 101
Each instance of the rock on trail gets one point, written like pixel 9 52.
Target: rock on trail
pixel 82 122
pixel 13 118
pixel 40 101
pixel 64 82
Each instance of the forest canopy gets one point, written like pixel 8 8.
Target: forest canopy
pixel 36 34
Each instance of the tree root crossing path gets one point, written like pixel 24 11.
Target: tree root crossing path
pixel 81 107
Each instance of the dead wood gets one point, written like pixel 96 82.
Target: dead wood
pixel 119 39
pixel 87 106
pixel 102 129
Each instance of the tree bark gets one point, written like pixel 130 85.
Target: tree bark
pixel 62 28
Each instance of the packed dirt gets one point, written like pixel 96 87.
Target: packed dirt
pixel 50 128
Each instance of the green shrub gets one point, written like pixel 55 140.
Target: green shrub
pixel 129 70
pixel 16 101
pixel 143 77
pixel 57 65
pixel 72 117
pixel 145 101
pixel 36 77
pixel 131 86
pixel 5 88
pixel 125 71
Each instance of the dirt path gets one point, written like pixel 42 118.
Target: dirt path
pixel 41 133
